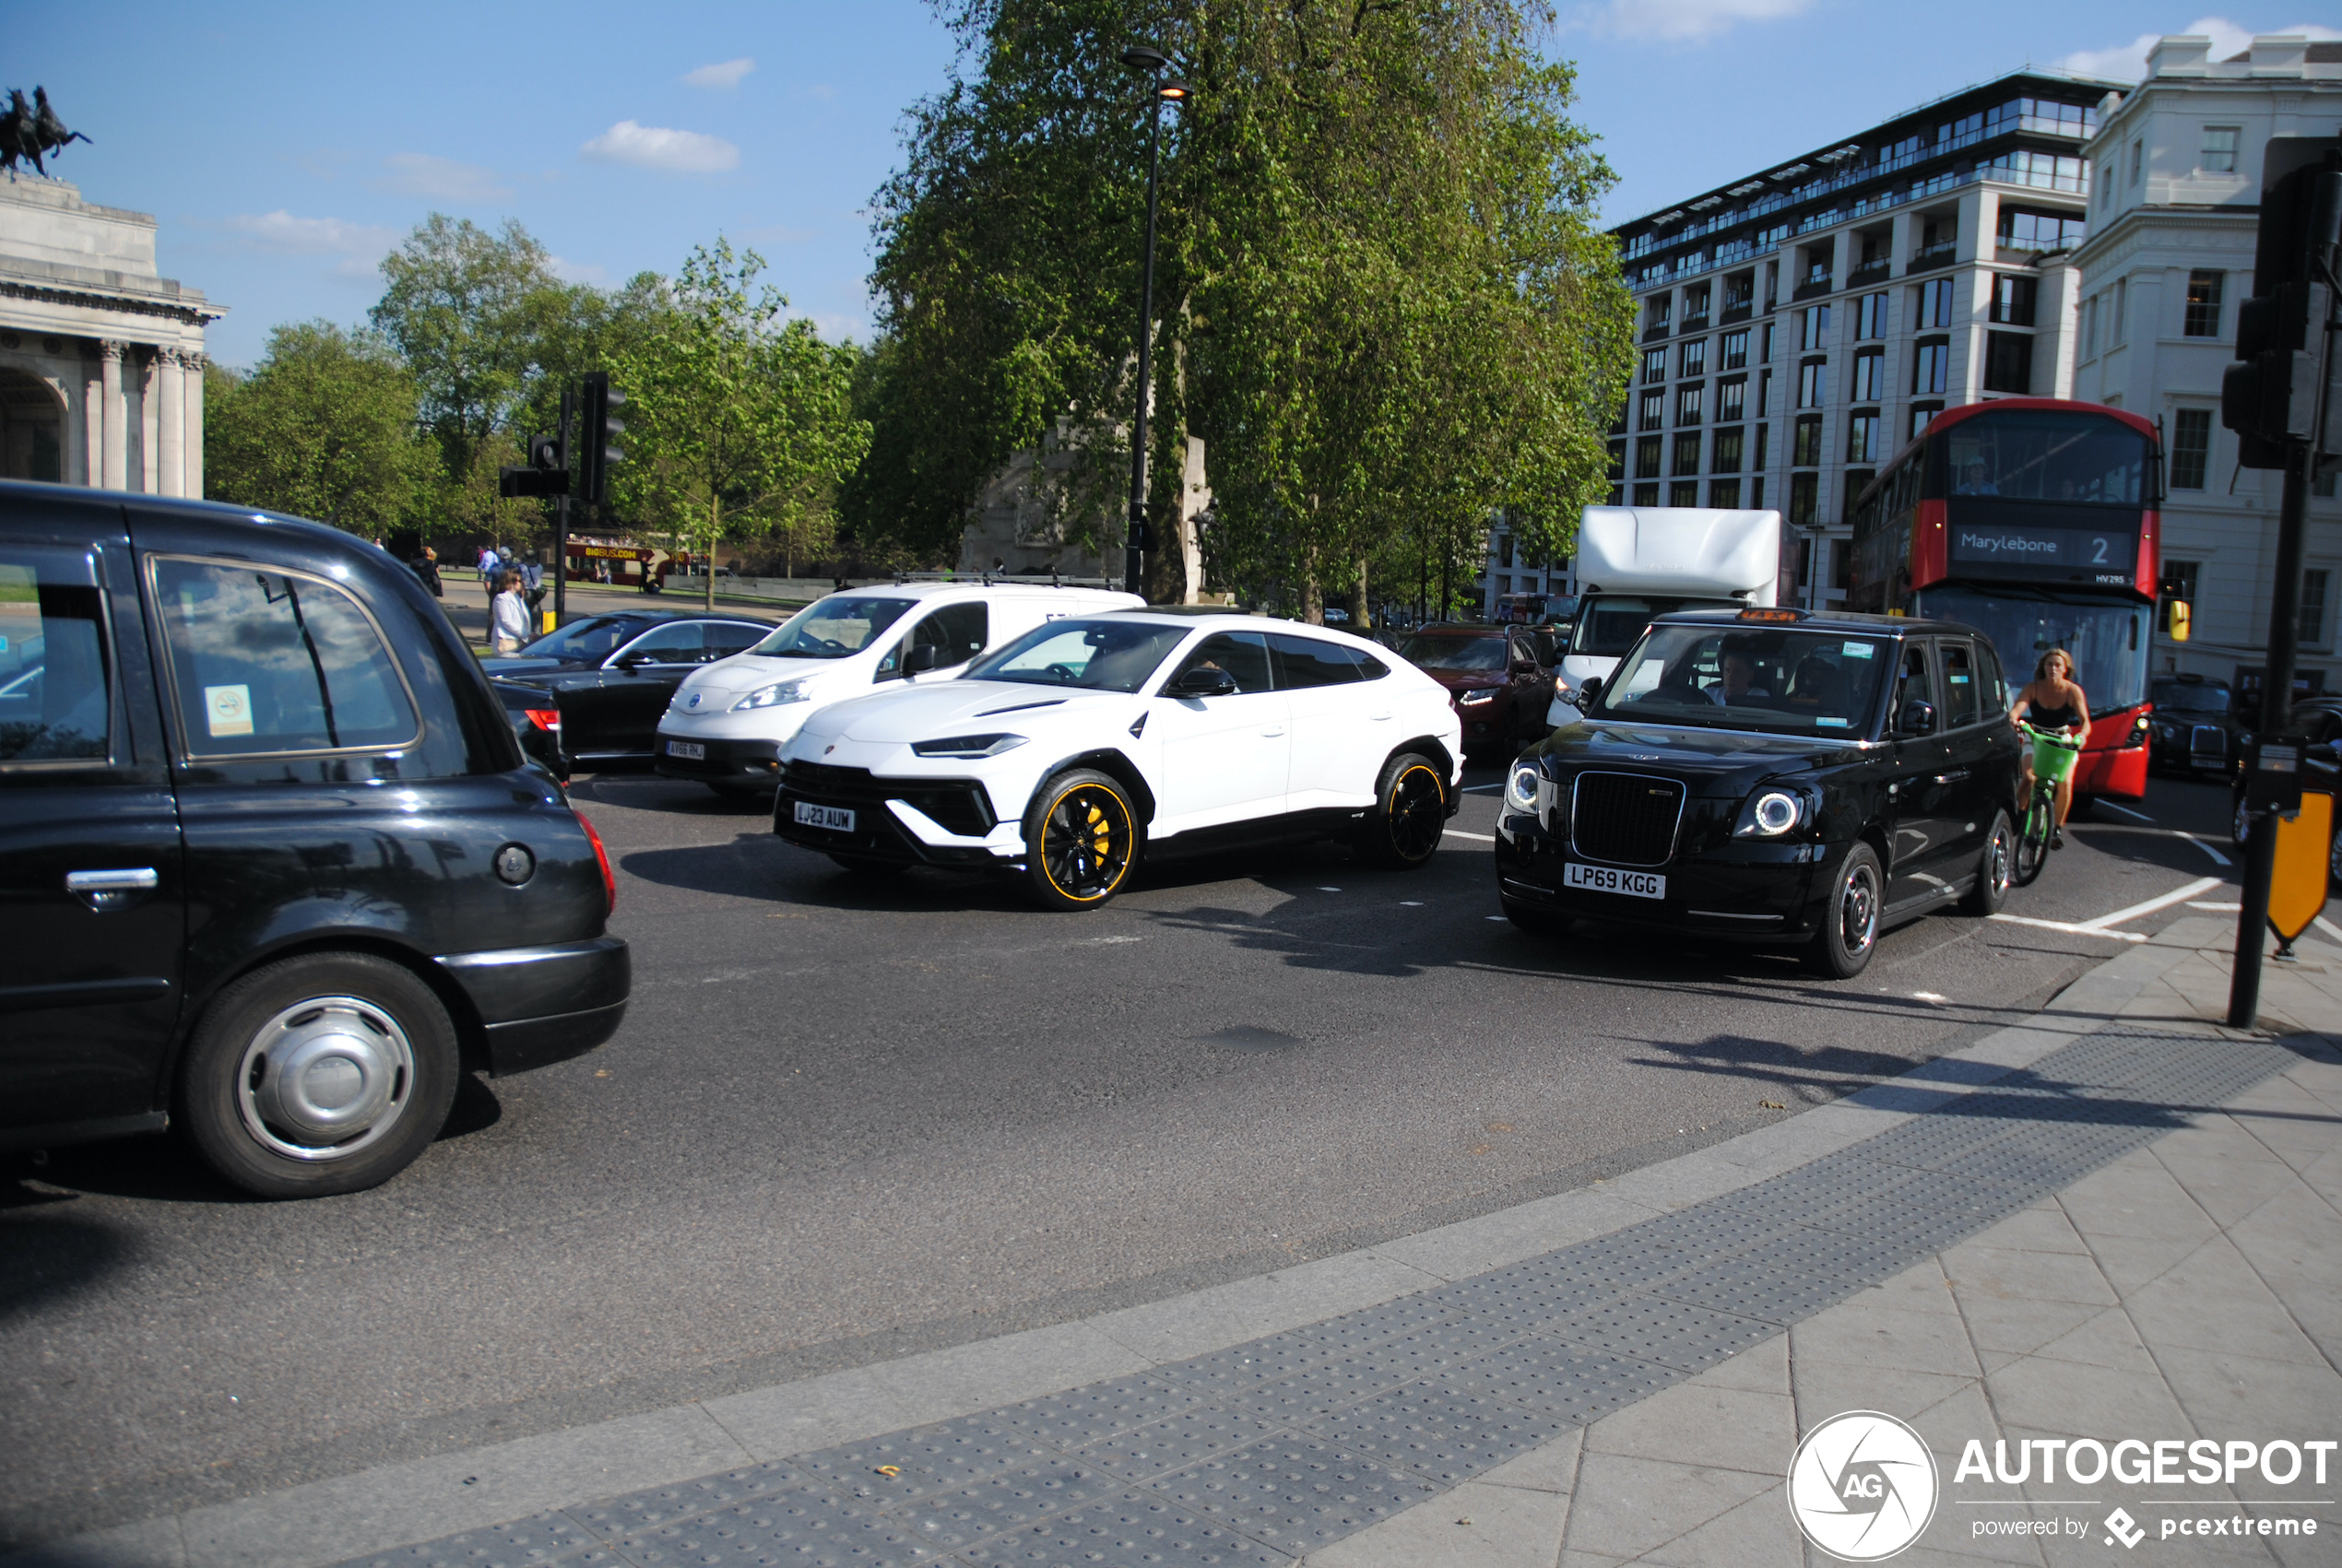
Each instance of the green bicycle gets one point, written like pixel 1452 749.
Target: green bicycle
pixel 2053 756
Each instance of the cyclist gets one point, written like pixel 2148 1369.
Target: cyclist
pixel 2052 701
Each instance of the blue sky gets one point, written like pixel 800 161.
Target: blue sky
pixel 285 146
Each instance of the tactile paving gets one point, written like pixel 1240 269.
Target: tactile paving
pixel 1294 1494
pixel 1261 1452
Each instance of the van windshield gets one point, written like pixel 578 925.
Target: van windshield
pixel 835 627
pixel 1735 678
pixel 1609 623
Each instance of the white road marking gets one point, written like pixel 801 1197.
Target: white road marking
pixel 1411 903
pixel 2218 858
pixel 2197 889
pixel 1460 833
pixel 2329 928
pixel 1329 890
pixel 1929 996
pixel 2125 810
pixel 1477 789
pixel 2069 926
pixel 1499 918
pixel 2219 908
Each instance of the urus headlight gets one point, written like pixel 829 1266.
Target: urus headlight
pixel 773 696
pixel 968 746
pixel 1770 814
pixel 1520 789
pixel 1469 699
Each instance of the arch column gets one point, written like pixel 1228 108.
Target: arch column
pixel 114 417
pixel 170 380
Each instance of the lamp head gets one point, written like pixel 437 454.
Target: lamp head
pixel 1172 90
pixel 1140 57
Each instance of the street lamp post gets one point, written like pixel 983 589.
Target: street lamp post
pixel 1165 89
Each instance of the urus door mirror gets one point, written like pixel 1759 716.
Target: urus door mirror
pixel 1207 680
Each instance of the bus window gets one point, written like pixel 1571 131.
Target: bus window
pixel 2041 455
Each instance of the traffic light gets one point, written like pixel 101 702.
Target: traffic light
pixel 2270 395
pixel 597 430
pixel 546 473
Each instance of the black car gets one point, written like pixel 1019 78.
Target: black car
pixel 2194 723
pixel 609 677
pixel 273 872
pixel 1771 776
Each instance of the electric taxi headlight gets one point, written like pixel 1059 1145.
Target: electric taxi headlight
pixel 1471 698
pixel 968 746
pixel 1520 790
pixel 1771 814
pixel 773 696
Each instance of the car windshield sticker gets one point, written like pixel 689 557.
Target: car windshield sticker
pixel 228 709
pixel 1858 650
pixel 1833 724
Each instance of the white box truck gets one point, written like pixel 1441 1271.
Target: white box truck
pixel 1638 561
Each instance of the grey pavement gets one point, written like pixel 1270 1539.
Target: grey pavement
pixel 2116 1218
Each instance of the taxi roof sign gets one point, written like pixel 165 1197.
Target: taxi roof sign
pixel 1783 614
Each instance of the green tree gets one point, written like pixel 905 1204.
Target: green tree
pixel 473 312
pixel 737 422
pixel 1382 297
pixel 325 427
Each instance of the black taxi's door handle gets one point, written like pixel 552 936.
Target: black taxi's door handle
pixel 1953 777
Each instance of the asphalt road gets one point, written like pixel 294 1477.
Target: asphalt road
pixel 851 1118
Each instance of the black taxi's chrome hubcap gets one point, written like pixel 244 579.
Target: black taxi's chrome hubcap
pixel 1418 813
pixel 1858 910
pixel 1085 842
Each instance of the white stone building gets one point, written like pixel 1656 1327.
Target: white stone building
pixel 1799 325
pixel 2176 182
pixel 100 357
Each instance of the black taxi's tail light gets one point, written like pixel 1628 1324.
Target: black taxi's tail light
pixel 601 855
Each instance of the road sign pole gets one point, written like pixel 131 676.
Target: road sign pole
pixel 561 528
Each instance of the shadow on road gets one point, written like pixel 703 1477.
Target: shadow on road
pixel 47 1251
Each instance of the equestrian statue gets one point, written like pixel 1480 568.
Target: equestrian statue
pixel 30 130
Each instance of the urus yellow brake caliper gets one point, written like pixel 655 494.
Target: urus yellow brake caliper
pixel 1097 827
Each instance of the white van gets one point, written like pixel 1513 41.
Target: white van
pixel 1638 562
pixel 728 721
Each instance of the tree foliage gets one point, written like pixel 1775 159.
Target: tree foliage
pixel 325 427
pixel 739 422
pixel 1382 297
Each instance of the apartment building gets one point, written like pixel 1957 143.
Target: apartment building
pixel 1799 325
pixel 2174 211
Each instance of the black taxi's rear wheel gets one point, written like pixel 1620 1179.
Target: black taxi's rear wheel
pixel 1409 814
pixel 326 1073
pixel 1080 838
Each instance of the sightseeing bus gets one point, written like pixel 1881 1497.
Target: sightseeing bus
pixel 2035 521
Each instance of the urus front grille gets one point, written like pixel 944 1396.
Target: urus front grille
pixel 958 806
pixel 1625 819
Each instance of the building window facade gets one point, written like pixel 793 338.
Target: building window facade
pixel 1686 454
pixel 1804 499
pixel 1650 452
pixel 1920 414
pixel 1735 351
pixel 2013 298
pixel 1933 300
pixel 1869 316
pixel 2218 156
pixel 1870 375
pixel 1812 384
pixel 2313 616
pixel 1862 438
pixel 1683 492
pixel 1647 495
pixel 1692 357
pixel 2203 316
pixel 1655 411
pixel 2009 362
pixel 1764 453
pixel 1732 399
pixel 1654 366
pixel 1725 494
pixel 1690 404
pixel 1813 329
pixel 1932 366
pixel 2022 228
pixel 2191 448
pixel 1726 457
pixel 1805 447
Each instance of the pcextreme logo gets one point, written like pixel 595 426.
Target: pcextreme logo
pixel 1863 1486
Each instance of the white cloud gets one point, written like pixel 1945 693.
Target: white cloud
pixel 2127 62
pixel 654 146
pixel 442 179
pixel 280 230
pixel 579 272
pixel 726 74
pixel 1674 22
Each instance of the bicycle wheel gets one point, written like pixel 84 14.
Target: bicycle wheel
pixel 2032 843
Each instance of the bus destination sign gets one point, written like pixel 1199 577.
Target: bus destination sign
pixel 2028 550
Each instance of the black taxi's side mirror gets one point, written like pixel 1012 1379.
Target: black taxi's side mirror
pixel 1588 690
pixel 1918 718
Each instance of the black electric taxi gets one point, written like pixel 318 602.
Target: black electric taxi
pixel 274 873
pixel 1771 776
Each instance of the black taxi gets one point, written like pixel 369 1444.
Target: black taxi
pixel 1771 776
pixel 273 870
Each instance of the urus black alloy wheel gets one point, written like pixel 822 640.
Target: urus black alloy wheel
pixel 1082 844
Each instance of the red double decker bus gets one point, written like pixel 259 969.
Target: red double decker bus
pixel 2034 521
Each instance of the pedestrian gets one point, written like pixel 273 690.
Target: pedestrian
pixel 508 616
pixel 426 567
pixel 532 581
pixel 491 570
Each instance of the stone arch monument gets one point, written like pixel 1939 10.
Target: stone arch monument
pixel 100 357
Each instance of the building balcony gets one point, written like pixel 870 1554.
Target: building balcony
pixel 1810 291
pixel 1869 273
pixel 1933 256
pixel 1695 324
pixel 1655 333
pixel 1741 311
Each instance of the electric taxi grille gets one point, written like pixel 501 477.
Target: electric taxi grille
pixel 1625 819
pixel 956 805
pixel 2206 743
